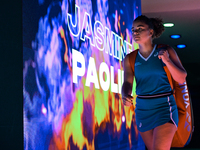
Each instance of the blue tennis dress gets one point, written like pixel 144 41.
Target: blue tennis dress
pixel 151 79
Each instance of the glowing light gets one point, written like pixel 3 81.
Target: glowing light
pixel 113 15
pixel 43 109
pixel 91 109
pixel 168 24
pixel 123 118
pixel 181 46
pixel 175 36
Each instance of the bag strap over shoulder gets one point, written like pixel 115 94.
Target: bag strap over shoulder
pixel 160 46
pixel 133 54
pixel 132 57
pixel 169 77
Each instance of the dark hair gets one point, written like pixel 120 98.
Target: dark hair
pixel 154 23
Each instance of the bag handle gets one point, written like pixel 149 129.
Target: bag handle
pixel 169 76
pixel 132 58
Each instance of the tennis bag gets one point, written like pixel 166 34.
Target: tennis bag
pixel 185 129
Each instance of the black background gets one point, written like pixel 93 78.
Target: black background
pixel 11 76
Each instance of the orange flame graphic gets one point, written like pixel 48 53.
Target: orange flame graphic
pixel 92 110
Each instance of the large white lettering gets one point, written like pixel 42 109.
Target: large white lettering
pixel 102 38
pixel 88 29
pixel 104 69
pixel 114 87
pixel 109 41
pixel 125 49
pixel 77 71
pixel 74 27
pixel 106 80
pixel 117 46
pixel 99 32
pixel 92 74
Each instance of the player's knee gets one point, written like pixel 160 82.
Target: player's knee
pixel 161 146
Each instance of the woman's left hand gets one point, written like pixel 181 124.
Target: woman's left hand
pixel 171 60
pixel 164 55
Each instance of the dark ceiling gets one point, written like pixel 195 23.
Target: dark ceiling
pixel 185 14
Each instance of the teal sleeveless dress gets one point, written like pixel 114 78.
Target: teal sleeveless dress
pixel 151 79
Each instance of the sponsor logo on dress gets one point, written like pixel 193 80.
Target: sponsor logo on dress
pixel 156 54
pixel 140 125
pixel 138 63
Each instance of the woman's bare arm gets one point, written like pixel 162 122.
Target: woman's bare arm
pixel 170 58
pixel 128 82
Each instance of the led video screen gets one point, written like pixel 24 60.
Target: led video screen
pixel 73 74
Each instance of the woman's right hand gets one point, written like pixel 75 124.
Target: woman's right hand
pixel 127 100
pixel 128 82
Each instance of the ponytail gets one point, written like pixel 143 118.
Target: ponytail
pixel 157 27
pixel 154 23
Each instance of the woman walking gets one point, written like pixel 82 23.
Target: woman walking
pixel 156 110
